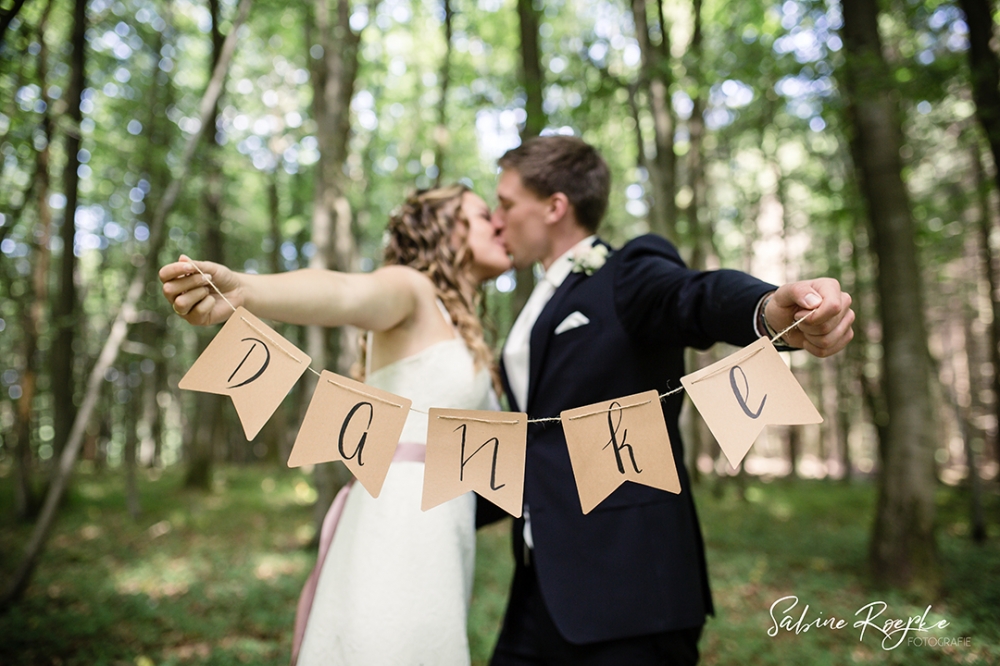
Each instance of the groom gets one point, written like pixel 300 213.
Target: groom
pixel 627 583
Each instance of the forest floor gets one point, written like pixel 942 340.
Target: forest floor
pixel 214 578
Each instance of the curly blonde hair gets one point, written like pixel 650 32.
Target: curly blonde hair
pixel 419 233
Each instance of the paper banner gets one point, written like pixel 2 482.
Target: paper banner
pixel 616 441
pixel 746 391
pixel 248 361
pixel 352 422
pixel 475 450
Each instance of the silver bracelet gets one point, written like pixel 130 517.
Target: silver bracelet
pixel 771 333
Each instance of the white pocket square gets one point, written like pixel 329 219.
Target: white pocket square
pixel 575 320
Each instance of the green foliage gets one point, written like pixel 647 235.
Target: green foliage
pixel 214 579
pixel 781 194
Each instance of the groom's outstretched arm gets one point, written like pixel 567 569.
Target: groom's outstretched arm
pixel 662 301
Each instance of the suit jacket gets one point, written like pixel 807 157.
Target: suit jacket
pixel 635 565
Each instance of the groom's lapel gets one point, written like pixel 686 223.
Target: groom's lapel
pixel 505 383
pixel 543 331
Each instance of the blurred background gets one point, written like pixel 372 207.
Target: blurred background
pixel 854 139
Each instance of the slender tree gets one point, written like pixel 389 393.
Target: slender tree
pixel 116 336
pixel 8 15
pixel 703 252
pixel 533 82
pixel 985 73
pixel 656 79
pixel 985 229
pixel 334 77
pixel 903 550
pixel 33 311
pixel 210 426
pixel 65 313
pixel 441 137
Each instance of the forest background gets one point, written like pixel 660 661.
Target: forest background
pixel 857 139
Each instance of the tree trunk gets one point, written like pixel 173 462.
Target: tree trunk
pixel 703 253
pixel 989 260
pixel 154 326
pixel 6 16
pixel 985 70
pixel 151 422
pixel 200 450
pixel 116 335
pixel 441 136
pixel 845 415
pixel 129 410
pixel 903 550
pixel 334 78
pixel 656 77
pixel 24 496
pixel 274 435
pixel 533 81
pixel 64 310
pixel 977 517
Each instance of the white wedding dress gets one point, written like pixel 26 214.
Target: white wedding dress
pixel 396 583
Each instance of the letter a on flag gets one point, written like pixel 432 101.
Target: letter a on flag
pixel 248 361
pixel 352 422
pixel 746 391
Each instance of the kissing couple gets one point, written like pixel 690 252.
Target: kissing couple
pixel 626 583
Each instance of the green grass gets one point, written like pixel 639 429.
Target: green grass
pixel 809 540
pixel 213 579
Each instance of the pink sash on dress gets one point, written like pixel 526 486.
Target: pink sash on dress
pixel 405 452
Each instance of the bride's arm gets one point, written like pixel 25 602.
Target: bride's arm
pixel 377 301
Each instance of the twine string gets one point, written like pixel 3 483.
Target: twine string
pixel 208 278
pixel 211 283
pixel 446 417
pixel 367 395
pixel 271 340
pixel 551 419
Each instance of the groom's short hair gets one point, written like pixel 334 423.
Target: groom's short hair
pixel 567 164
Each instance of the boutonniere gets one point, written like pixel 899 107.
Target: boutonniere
pixel 590 260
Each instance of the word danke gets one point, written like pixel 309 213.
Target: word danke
pixel 893 630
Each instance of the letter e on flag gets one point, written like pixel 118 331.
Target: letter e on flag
pixel 746 391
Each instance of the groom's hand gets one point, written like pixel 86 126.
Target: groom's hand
pixel 826 311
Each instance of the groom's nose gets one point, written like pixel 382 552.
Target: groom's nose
pixel 496 219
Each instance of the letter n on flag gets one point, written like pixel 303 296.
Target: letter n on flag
pixel 252 364
pixel 619 440
pixel 475 450
pixel 352 422
pixel 746 391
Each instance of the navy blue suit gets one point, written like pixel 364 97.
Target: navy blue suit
pixel 635 565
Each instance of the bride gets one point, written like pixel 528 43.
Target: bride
pixel 392 583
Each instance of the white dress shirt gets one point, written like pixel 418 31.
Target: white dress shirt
pixel 517 350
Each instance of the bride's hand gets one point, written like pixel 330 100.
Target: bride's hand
pixel 191 295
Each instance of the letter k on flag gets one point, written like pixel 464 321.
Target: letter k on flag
pixel 746 391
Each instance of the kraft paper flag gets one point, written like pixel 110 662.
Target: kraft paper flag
pixel 252 364
pixel 616 441
pixel 352 422
pixel 746 391
pixel 475 450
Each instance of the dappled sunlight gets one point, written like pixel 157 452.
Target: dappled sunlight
pixel 270 566
pixel 159 576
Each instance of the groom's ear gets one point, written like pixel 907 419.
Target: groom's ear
pixel 558 207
